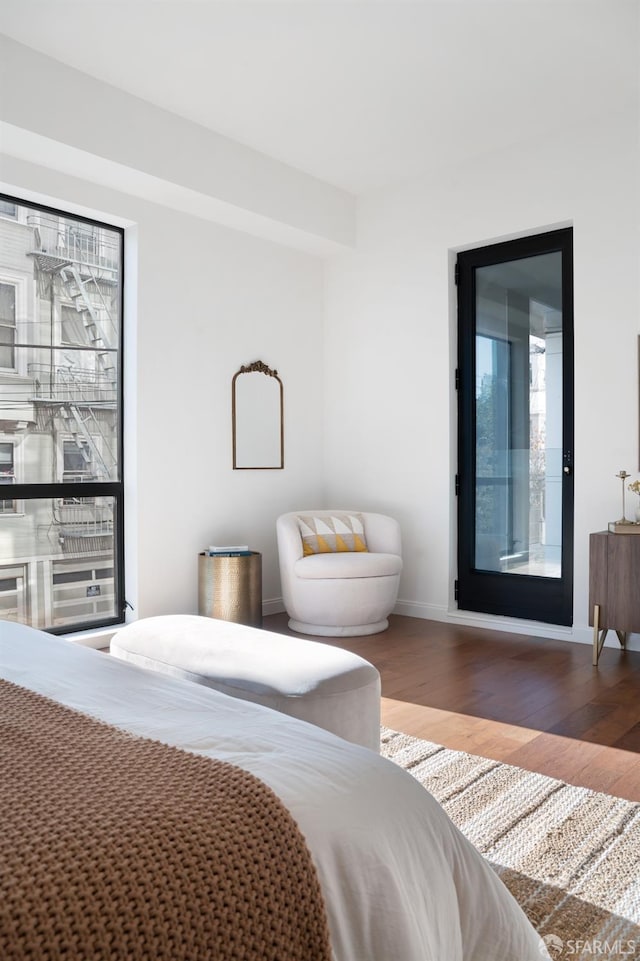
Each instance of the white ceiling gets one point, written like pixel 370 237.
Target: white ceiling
pixel 359 93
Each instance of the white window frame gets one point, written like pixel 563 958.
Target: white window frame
pixel 5 325
pixel 7 487
pixel 21 285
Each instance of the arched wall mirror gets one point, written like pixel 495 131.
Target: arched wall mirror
pixel 257 412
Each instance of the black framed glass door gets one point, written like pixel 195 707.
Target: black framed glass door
pixel 515 428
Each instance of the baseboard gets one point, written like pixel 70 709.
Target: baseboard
pixel 429 612
pixel 579 634
pixel 273 605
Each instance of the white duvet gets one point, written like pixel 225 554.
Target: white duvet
pixel 400 882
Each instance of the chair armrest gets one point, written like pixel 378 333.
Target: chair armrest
pixel 382 534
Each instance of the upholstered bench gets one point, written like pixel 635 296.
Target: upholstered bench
pixel 319 683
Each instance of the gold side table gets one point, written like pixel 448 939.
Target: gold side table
pixel 230 588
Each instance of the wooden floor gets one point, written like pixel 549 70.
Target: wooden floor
pixel 529 701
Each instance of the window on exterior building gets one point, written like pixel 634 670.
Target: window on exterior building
pixel 7 325
pixel 77 468
pixel 7 476
pixel 61 556
pixel 8 209
pixel 71 327
pixel 77 464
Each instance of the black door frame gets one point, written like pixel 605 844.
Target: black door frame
pixel 545 599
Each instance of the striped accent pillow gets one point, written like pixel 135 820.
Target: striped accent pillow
pixel 332 533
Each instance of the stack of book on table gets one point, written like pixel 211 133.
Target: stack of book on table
pixel 228 550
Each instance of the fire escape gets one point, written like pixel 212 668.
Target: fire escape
pixel 76 388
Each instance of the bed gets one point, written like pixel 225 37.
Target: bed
pixel 398 880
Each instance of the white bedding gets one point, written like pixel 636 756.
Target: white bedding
pixel 400 882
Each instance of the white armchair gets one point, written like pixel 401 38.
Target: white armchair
pixel 344 590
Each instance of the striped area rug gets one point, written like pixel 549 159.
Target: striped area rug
pixel 570 856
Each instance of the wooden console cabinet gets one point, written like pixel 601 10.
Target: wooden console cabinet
pixel 614 592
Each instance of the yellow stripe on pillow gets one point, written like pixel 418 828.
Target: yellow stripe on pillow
pixel 332 533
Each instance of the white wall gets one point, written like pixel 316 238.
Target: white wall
pixel 391 331
pixel 211 300
pixel 201 300
pixel 208 299
pixel 366 352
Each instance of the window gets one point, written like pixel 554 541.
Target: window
pixel 7 476
pixel 71 327
pixel 77 466
pixel 12 593
pixel 8 209
pixel 64 415
pixel 7 325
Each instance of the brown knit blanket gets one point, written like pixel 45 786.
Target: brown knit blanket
pixel 117 847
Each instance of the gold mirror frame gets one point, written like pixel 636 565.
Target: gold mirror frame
pixel 247 430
